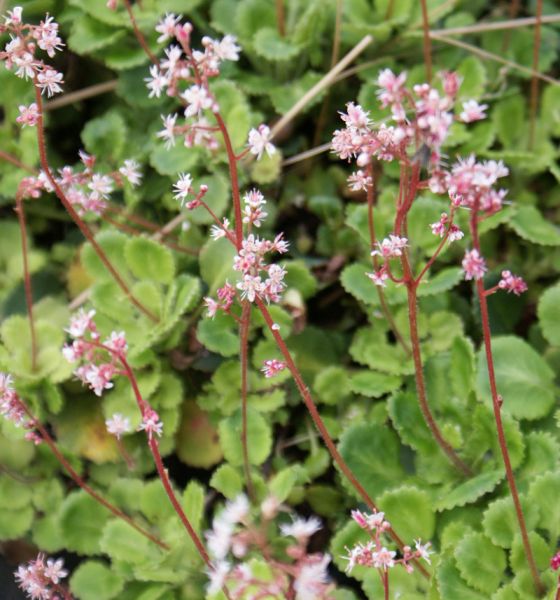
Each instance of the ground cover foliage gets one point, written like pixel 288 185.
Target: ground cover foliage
pixel 334 322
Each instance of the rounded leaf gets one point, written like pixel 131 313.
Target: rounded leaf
pixel 259 438
pixel 480 563
pixel 410 512
pixel 149 260
pixel 93 580
pixel 549 314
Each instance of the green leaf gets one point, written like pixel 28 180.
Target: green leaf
pixel 267 169
pixel 520 374
pixel 473 73
pixel 197 441
pixel 47 534
pixel 372 453
pixel 217 334
pixel 193 503
pixel 543 454
pixel 121 542
pixel 284 97
pixel 299 276
pixel 370 347
pixel 105 136
pixel 543 494
pixel 178 158
pixel 410 424
pixel 14 494
pixel 549 314
pixel 216 264
pixel 149 260
pixel 112 243
pixel 409 509
pixel 283 482
pixel 88 35
pixel 259 438
pixel 470 490
pixel 332 385
pixel 530 224
pixel 504 113
pixel 443 281
pixel 82 519
pixel 480 563
pixel 353 279
pixel 15 523
pixel 93 580
pixel 227 481
pixel 270 45
pixel 500 521
pixel 217 198
pixel 251 16
pixel 450 584
pixel 373 384
pixel 518 556
pixel 462 368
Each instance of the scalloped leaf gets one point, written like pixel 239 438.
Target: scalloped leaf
pixel 93 580
pixel 218 334
pixel 269 44
pixel 451 585
pixel 541 553
pixel 549 314
pixel 462 368
pixel 259 438
pixel 443 281
pixel 88 35
pixel 480 563
pixel 542 454
pixel 410 511
pixel 372 453
pixel 149 260
pixel 369 347
pixel 331 385
pixel 227 481
pixel 521 374
pixel 112 243
pixel 105 136
pixel 216 264
pixel 123 543
pixel 408 421
pixel 543 494
pixel 500 523
pixel 81 520
pixel 530 224
pixel 373 384
pixel 471 490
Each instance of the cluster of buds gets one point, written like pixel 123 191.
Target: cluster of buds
pixel 374 553
pixel 86 190
pixel 40 578
pixel 19 53
pixel 12 409
pixel 184 73
pixel 99 361
pixel 233 537
pixel 391 247
pixel 445 226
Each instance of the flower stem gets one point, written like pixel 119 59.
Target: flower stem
pixel 82 484
pixel 427 41
pixel 496 404
pixel 139 36
pixel 244 347
pixel 74 215
pixel 312 408
pixel 27 278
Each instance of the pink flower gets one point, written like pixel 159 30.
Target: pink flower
pixel 451 83
pixel 130 170
pixel 166 27
pixel 391 247
pixel 356 117
pixel 81 322
pixel 472 111
pixel 379 277
pixel 359 181
pixel 14 16
pixel 49 80
pixel 301 529
pixel 555 562
pixel 250 286
pixel 101 185
pixel 474 265
pixel 99 377
pixel 26 65
pixel 440 227
pixel 423 551
pixel 272 367
pixel 259 141
pixel 151 424
pixel 198 99
pixel 512 283
pixel 212 306
pixel 384 559
pixel 117 342
pixel 28 115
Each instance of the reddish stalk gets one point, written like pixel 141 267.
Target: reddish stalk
pixel 514 7
pixel 371 194
pixel 139 35
pixel 557 595
pixel 45 436
pixel 281 17
pixel 534 79
pixel 496 404
pixel 385 579
pixel 319 424
pixel 427 40
pixel 74 215
pixel 244 347
pixel 27 277
pixel 16 162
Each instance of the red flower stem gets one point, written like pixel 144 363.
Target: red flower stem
pixel 162 472
pixel 496 404
pixel 427 40
pixel 557 595
pixel 74 215
pixel 437 252
pixel 82 484
pixel 244 348
pixel 312 408
pixel 281 17
pixel 534 78
pixel 27 278
pixel 385 579
pixel 382 300
pixel 139 36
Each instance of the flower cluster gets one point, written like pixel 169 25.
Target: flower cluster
pixel 374 553
pixel 86 190
pixel 512 283
pixel 391 247
pixel 40 579
pixel 235 535
pixel 12 409
pixel 474 265
pixel 99 360
pixel 19 53
pixel 272 367
pixel 444 226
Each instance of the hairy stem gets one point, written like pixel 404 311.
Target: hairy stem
pixel 496 404
pixel 139 36
pixel 74 215
pixel 534 80
pixel 318 421
pixel 45 436
pixel 27 278
pixel 244 350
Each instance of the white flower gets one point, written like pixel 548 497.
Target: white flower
pixel 166 27
pixel 198 99
pixel 168 131
pixel 227 49
pixel 117 425
pixel 182 187
pixel 301 529
pixel 250 286
pixel 14 16
pixel 102 185
pixel 49 80
pixel 311 579
pixel 236 510
pixel 217 577
pixel 219 231
pixel 473 111
pixel 423 550
pixel 156 82
pixel 130 171
pixel 259 141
